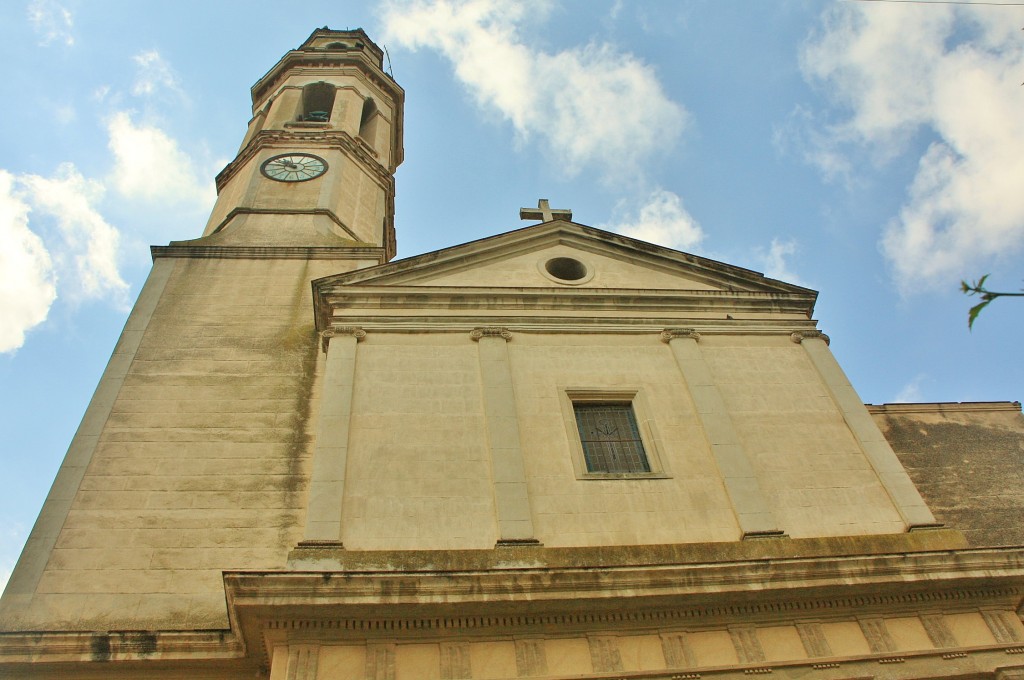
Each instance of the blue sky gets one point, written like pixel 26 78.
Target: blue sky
pixel 872 151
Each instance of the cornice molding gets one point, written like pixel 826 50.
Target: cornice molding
pixel 945 407
pixel 322 212
pixel 538 325
pixel 269 252
pixel 288 139
pixel 856 580
pixel 584 306
pixel 315 59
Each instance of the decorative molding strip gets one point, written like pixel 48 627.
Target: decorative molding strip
pixel 698 617
pixel 622 325
pixel 944 407
pixel 490 332
pixel 334 139
pixel 670 334
pixel 200 252
pixel 799 336
pixel 822 666
pixel 322 212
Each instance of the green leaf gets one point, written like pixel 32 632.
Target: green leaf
pixel 974 311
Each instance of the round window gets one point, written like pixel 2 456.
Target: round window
pixel 566 268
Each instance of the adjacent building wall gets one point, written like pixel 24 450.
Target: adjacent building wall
pixel 967 460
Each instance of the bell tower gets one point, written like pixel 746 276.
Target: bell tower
pixel 316 167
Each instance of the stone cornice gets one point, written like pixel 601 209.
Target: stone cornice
pixel 333 139
pixel 403 604
pixel 103 646
pixel 316 59
pixel 269 252
pixel 562 325
pixel 945 407
pixel 831 581
pixel 586 306
pixel 322 212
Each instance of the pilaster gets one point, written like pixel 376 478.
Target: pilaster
pixel 511 499
pixel 880 455
pixel 748 500
pixel 330 455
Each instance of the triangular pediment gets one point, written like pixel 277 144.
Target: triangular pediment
pixel 564 255
pixel 557 271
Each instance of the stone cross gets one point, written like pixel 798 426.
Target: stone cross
pixel 544 212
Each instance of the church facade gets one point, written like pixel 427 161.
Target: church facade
pixel 555 452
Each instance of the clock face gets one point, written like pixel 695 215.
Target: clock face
pixel 294 167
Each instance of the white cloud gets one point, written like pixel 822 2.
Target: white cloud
pixel 594 105
pixel 154 74
pixel 149 165
pixel 773 261
pixel 954 73
pixel 51 21
pixel 27 287
pixel 911 392
pixel 88 246
pixel 662 220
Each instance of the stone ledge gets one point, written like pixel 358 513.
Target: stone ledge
pixel 524 555
pixel 944 407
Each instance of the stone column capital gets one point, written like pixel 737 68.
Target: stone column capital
pixel 490 332
pixel 340 332
pixel 799 336
pixel 670 334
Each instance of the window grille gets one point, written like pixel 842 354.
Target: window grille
pixel 610 438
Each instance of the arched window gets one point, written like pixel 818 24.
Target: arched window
pixel 317 102
pixel 335 46
pixel 368 121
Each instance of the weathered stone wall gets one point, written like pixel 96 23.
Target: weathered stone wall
pixel 202 463
pixel 967 460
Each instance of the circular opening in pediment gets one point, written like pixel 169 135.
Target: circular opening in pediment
pixel 566 268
